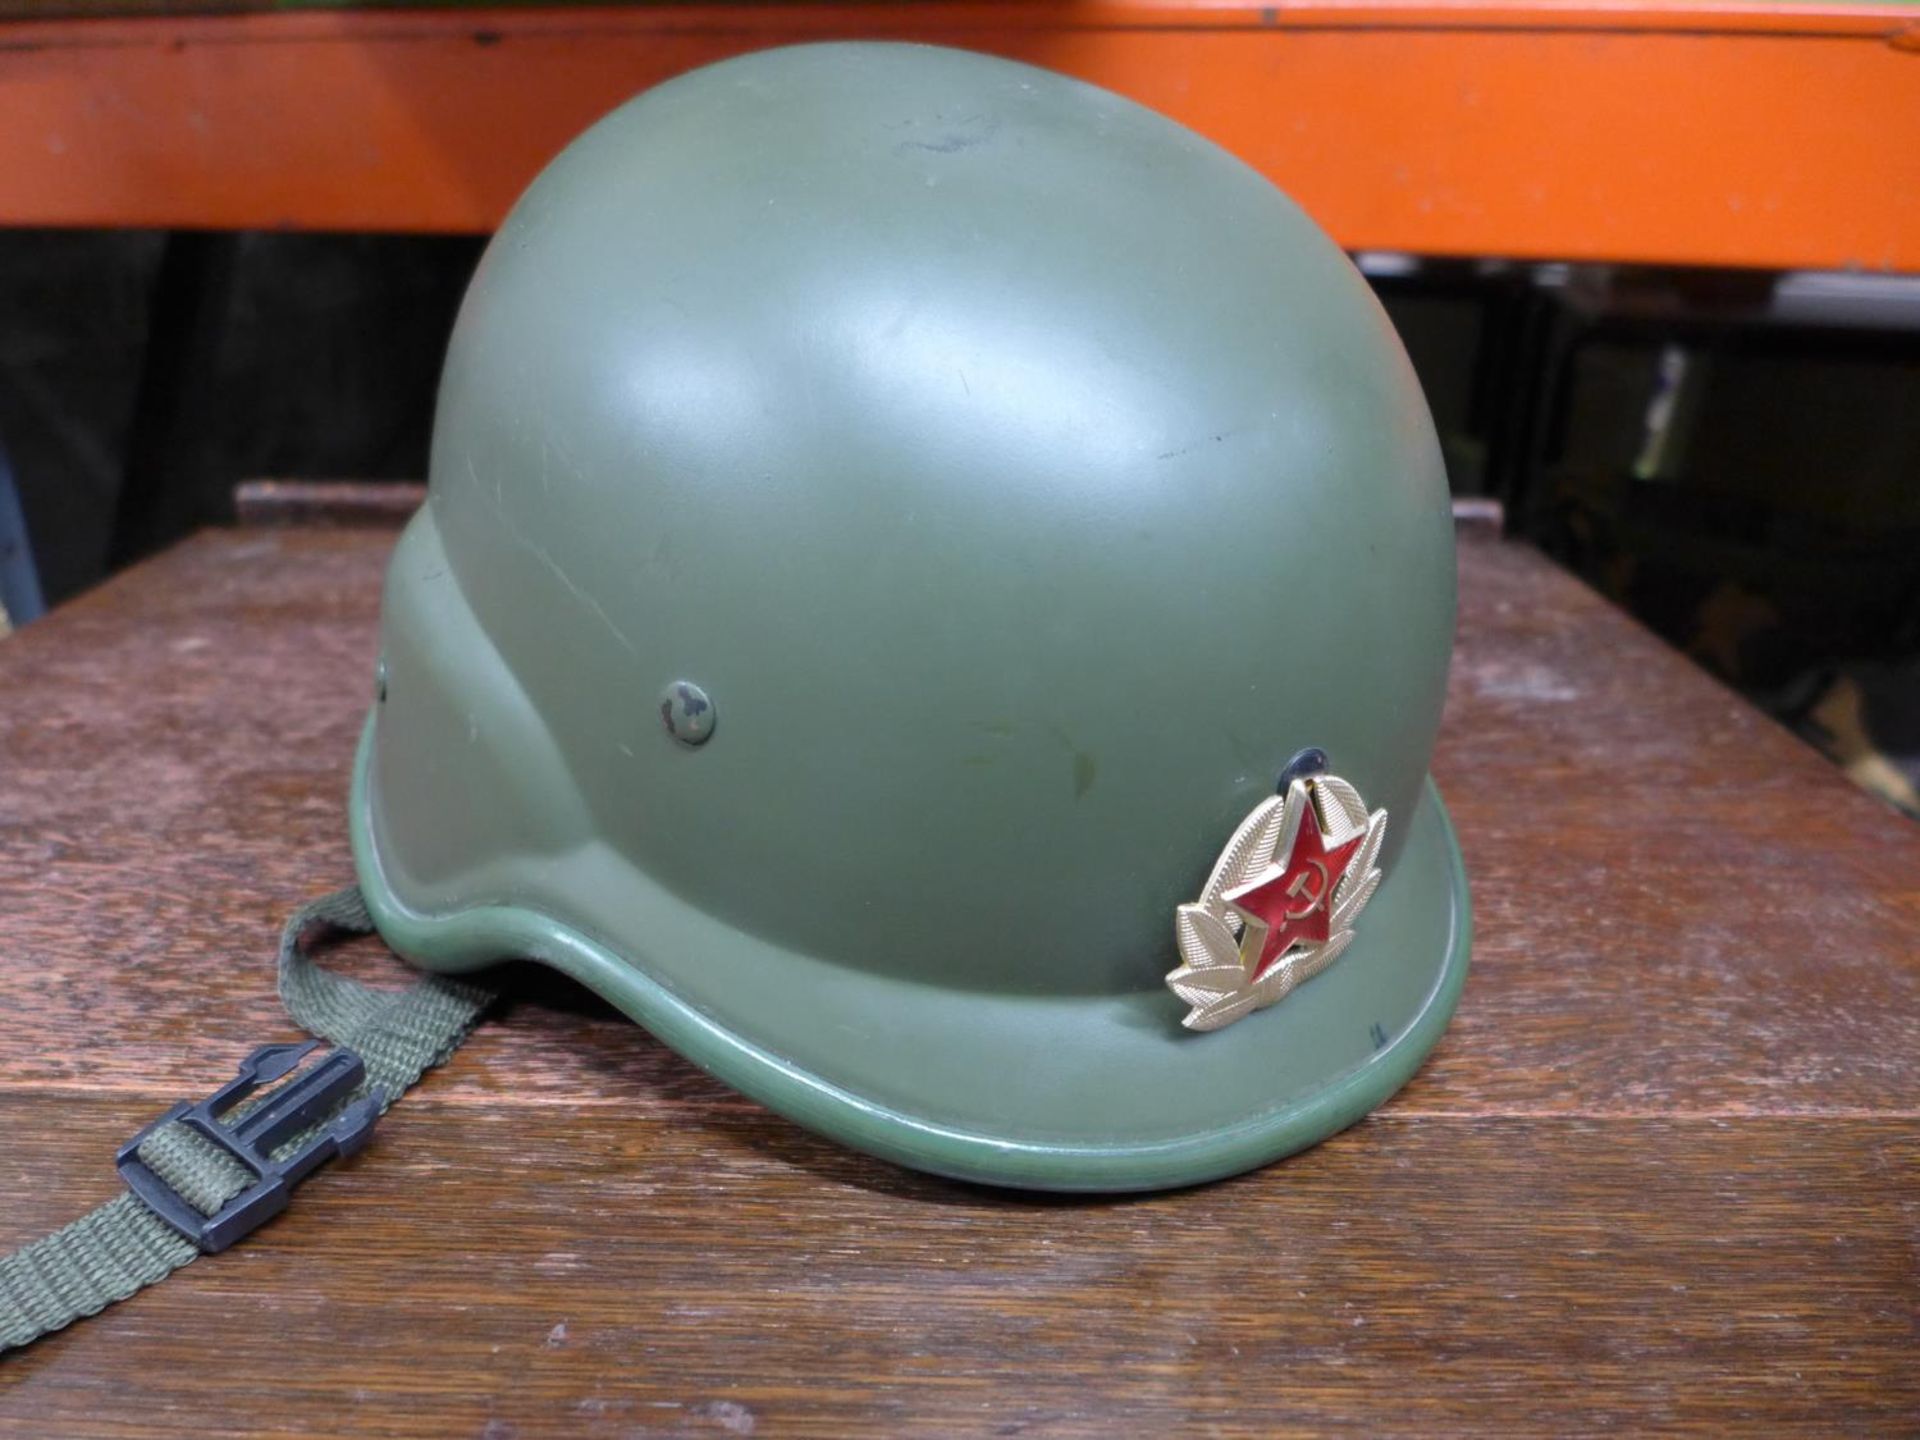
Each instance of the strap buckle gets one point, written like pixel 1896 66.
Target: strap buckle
pixel 252 1139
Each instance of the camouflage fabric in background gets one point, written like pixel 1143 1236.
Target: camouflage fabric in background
pixel 1867 718
pixel 1748 493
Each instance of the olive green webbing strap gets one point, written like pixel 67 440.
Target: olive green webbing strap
pixel 124 1245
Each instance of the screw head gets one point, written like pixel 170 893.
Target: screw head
pixel 687 712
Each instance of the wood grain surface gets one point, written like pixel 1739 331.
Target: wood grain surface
pixel 1662 1174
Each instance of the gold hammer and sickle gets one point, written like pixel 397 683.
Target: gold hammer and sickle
pixel 1299 886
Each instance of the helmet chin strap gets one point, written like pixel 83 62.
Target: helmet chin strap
pixel 206 1174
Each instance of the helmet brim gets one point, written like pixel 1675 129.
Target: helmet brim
pixel 1038 1091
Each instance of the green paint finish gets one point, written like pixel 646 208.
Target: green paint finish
pixel 1085 770
pixel 1027 480
pixel 1105 1094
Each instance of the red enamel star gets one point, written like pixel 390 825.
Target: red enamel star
pixel 1293 897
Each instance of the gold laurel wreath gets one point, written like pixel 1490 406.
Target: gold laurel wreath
pixel 1216 980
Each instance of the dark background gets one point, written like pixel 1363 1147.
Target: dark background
pixel 1733 456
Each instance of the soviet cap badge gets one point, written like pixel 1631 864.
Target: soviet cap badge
pixel 1280 905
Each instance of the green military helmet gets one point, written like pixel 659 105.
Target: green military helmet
pixel 897 518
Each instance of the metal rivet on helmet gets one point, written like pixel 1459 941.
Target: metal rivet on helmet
pixel 687 712
pixel 1309 762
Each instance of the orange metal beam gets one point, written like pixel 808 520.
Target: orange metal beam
pixel 1690 133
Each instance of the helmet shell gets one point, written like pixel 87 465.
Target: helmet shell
pixel 1023 479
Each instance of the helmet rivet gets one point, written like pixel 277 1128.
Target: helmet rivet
pixel 380 681
pixel 687 712
pixel 1308 763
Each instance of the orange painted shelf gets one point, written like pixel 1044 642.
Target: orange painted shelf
pixel 1685 133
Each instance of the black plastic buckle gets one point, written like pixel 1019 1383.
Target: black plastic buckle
pixel 252 1139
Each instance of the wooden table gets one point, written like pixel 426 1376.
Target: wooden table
pixel 1664 1172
